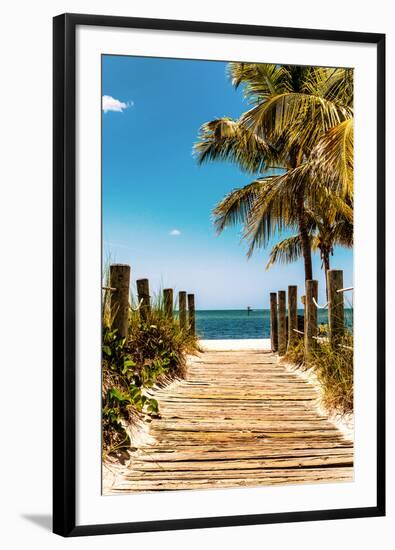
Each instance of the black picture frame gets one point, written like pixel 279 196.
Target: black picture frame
pixel 64 272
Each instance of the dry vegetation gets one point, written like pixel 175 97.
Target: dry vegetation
pixel 333 367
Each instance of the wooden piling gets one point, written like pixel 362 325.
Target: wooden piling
pixel 335 305
pixel 143 297
pixel 310 324
pixel 273 321
pixel 282 323
pixel 292 314
pixel 119 302
pixel 191 313
pixel 182 308
pixel 168 302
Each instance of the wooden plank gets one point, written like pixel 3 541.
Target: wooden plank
pixel 268 477
pixel 236 421
pixel 208 465
pixel 193 453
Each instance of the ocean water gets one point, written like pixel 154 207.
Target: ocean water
pixel 236 323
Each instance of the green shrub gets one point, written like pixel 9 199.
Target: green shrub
pixel 122 393
pixel 160 339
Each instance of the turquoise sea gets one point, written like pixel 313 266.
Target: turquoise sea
pixel 237 323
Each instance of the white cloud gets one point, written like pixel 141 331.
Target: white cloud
pixel 111 104
pixel 175 232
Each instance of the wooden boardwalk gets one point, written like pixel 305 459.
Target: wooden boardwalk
pixel 238 419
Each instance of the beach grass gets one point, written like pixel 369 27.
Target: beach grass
pixel 333 368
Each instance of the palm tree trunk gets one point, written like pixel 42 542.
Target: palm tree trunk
pixel 305 242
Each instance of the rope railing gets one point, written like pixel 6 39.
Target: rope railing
pixel 323 339
pixel 345 289
pixel 112 289
pixel 138 305
pixel 346 347
pixel 318 305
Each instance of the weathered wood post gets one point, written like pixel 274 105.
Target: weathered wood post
pixel 273 321
pixel 168 302
pixel 119 302
pixel 143 298
pixel 335 305
pixel 182 308
pixel 282 323
pixel 292 314
pixel 191 312
pixel 303 300
pixel 310 320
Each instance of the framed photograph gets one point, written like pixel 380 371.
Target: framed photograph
pixel 219 275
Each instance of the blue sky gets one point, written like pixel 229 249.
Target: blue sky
pixel 157 201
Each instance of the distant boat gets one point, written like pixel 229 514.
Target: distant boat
pixel 249 309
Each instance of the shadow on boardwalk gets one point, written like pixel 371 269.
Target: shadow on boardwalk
pixel 238 419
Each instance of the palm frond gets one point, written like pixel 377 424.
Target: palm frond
pixel 236 207
pixel 343 234
pixel 275 206
pixel 335 84
pixel 224 139
pixel 260 80
pixel 299 119
pixel 272 212
pixel 333 157
pixel 286 251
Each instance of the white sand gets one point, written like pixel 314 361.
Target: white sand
pixel 235 345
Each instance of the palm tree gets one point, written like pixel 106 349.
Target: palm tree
pixel 293 108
